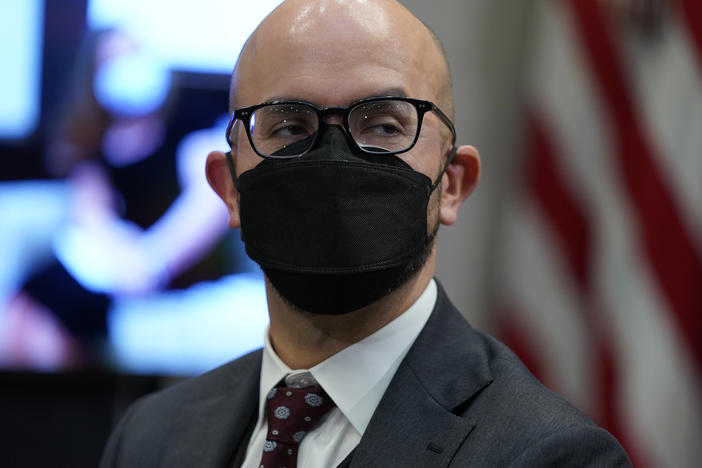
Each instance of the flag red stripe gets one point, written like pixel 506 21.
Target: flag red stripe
pixel 559 205
pixel 692 16
pixel 671 253
pixel 568 220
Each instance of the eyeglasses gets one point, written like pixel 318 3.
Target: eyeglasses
pixel 379 125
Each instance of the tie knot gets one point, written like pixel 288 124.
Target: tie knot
pixel 292 412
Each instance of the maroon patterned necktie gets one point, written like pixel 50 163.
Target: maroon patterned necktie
pixel 291 414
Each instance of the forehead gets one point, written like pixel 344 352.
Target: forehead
pixel 335 56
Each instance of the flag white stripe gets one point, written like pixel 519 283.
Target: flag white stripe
pixel 667 85
pixel 549 303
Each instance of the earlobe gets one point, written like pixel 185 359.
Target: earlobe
pixel 458 182
pixel 220 179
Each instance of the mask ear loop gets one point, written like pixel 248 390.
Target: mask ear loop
pixel 232 171
pixel 443 170
pixel 230 163
pixel 430 238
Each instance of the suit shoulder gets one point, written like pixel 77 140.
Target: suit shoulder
pixel 533 423
pixel 214 382
pixel 162 406
pixel 524 400
pixel 169 418
pixel 500 386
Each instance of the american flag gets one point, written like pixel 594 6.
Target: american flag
pixel 601 259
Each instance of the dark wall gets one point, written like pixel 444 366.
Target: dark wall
pixel 63 420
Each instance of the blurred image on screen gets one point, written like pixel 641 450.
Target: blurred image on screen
pixel 115 251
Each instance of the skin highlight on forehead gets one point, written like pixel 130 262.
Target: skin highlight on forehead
pixel 339 31
pixel 372 17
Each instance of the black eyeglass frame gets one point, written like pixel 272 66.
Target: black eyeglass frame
pixel 244 115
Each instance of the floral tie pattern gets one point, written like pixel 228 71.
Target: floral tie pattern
pixel 291 414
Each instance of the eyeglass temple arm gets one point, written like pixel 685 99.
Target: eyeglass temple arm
pixel 450 157
pixel 232 171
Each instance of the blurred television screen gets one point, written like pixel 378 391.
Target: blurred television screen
pixel 21 31
pixel 203 36
pixel 115 251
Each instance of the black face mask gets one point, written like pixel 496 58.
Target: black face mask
pixel 335 229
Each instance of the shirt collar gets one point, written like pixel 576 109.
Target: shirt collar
pixel 356 377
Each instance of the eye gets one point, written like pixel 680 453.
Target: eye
pixel 379 126
pixel 384 129
pixel 289 129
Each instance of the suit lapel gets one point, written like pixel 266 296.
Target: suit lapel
pixel 411 430
pixel 414 424
pixel 210 431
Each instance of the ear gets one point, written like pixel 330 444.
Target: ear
pixel 220 179
pixel 458 182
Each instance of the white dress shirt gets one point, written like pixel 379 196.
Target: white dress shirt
pixel 355 378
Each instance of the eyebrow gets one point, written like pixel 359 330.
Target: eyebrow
pixel 393 92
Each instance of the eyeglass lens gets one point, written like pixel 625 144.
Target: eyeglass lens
pixel 286 130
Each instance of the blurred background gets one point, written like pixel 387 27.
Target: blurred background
pixel 581 247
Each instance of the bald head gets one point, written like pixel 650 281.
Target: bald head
pixel 334 54
pixel 336 37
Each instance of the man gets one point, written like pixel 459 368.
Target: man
pixel 342 167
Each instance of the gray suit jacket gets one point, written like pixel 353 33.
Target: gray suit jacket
pixel 460 398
